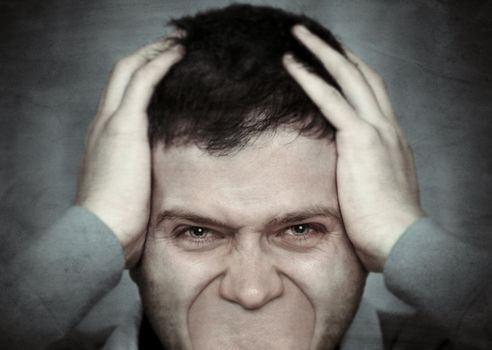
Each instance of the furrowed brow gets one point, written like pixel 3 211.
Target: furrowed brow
pixel 283 219
pixel 180 214
pixel 305 214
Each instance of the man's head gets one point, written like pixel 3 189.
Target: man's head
pixel 231 85
pixel 246 247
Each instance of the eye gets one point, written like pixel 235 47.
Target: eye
pixel 299 230
pixel 197 237
pixel 304 235
pixel 197 232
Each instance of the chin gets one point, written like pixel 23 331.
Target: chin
pixel 248 339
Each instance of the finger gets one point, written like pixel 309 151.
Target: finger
pixel 330 102
pixel 123 72
pixel 352 82
pixel 142 83
pixel 115 88
pixel 376 83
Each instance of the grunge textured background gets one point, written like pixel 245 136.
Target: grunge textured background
pixel 56 55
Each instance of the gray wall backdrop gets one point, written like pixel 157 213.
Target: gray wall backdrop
pixel 55 57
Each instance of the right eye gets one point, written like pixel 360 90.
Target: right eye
pixel 196 237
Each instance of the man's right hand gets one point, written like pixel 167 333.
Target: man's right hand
pixel 115 180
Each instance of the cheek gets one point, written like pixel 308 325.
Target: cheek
pixel 332 279
pixel 179 277
pixel 169 283
pixel 329 275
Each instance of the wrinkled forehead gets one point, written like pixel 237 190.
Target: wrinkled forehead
pixel 277 171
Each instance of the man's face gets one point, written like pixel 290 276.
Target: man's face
pixel 247 251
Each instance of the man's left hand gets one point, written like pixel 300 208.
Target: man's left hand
pixel 376 179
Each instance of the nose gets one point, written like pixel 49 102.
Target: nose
pixel 251 280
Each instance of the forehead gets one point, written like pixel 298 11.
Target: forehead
pixel 274 173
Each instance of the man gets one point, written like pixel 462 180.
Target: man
pixel 276 178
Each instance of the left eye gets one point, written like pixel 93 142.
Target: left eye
pixel 305 235
pixel 197 232
pixel 299 230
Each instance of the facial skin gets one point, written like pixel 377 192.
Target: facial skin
pixel 247 251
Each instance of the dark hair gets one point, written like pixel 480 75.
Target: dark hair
pixel 231 84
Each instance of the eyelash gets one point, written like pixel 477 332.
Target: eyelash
pixel 313 230
pixel 199 242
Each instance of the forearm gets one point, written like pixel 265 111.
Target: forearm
pixel 49 287
pixel 444 278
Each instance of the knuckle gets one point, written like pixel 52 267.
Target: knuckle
pixel 317 43
pixel 376 79
pixel 350 70
pixel 123 64
pixel 376 76
pixel 150 68
pixel 114 128
pixel 389 131
pixel 328 97
pixel 368 135
pixel 110 129
pixel 390 135
pixel 333 93
pixel 373 73
pixel 120 66
pixel 125 124
pixel 137 78
pixel 140 74
pixel 379 80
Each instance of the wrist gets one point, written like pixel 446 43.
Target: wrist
pixel 375 255
pixel 130 243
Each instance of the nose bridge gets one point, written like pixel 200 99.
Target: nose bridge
pixel 251 278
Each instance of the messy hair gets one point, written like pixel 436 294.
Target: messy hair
pixel 231 85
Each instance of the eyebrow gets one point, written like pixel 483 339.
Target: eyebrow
pixel 279 220
pixel 183 214
pixel 305 214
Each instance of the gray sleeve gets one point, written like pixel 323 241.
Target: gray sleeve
pixel 448 281
pixel 48 288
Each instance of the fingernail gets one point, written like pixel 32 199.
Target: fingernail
pixel 288 57
pixel 301 30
